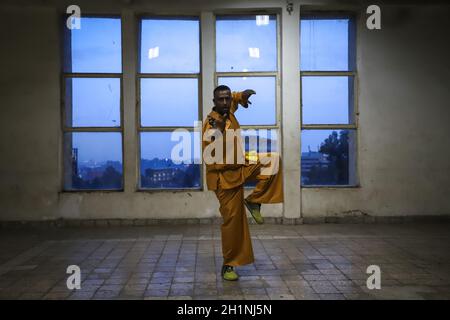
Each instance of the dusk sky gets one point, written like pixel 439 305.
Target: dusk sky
pixel 172 46
pixel 235 37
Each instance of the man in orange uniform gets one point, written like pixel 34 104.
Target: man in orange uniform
pixel 226 178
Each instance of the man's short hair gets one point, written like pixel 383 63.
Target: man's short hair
pixel 221 88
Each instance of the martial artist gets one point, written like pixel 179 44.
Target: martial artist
pixel 227 178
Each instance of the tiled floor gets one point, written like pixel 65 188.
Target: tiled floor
pixel 327 261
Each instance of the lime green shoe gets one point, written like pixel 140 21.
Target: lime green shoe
pixel 229 274
pixel 255 211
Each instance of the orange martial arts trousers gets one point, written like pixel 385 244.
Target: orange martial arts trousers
pixel 237 247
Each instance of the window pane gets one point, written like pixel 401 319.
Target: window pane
pixel 324 44
pixel 246 43
pixel 93 102
pixel 169 102
pixel 93 160
pixel 262 111
pixel 160 169
pixel 170 46
pixel 260 140
pixel 327 100
pixel 328 157
pixel 96 46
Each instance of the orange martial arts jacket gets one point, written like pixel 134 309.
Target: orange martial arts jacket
pixel 226 176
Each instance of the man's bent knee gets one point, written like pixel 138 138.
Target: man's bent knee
pixel 270 163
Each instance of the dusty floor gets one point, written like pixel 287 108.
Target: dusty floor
pixel 326 261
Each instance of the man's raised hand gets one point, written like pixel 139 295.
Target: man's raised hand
pixel 246 95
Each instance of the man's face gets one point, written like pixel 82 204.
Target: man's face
pixel 222 101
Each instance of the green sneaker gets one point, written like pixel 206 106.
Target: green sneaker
pixel 255 211
pixel 229 274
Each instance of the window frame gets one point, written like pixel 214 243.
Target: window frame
pixel 276 74
pixel 143 75
pixel 353 73
pixel 66 37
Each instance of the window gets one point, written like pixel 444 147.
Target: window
pixel 246 43
pixel 168 84
pixel 327 72
pixel 247 58
pixel 92 122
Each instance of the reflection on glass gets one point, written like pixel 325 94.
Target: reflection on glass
pixel 167 164
pixel 169 102
pixel 324 44
pixel 327 100
pixel 170 46
pixel 93 160
pixel 96 46
pixel 327 157
pixel 262 20
pixel 262 111
pixel 246 42
pixel 153 53
pixel 93 102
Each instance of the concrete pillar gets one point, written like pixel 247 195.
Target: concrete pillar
pixel 208 50
pixel 290 111
pixel 129 60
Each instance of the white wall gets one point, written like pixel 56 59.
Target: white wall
pixel 403 151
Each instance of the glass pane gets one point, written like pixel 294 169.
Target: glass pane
pixel 262 111
pixel 167 164
pixel 327 100
pixel 93 160
pixel 259 140
pixel 170 46
pixel 328 157
pixel 324 44
pixel 246 43
pixel 169 102
pixel 96 46
pixel 93 102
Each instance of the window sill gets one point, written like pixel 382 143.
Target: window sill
pixel 169 190
pixel 92 191
pixel 137 190
pixel 357 186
